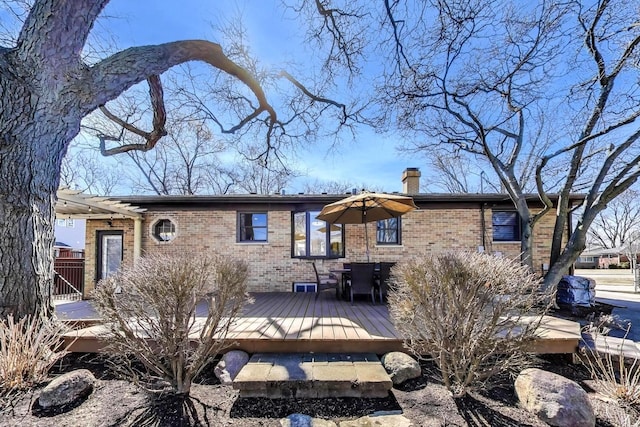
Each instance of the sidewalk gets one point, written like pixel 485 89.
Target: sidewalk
pixel 616 287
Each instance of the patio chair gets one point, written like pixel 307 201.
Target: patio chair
pixel 325 281
pixel 382 285
pixel 362 280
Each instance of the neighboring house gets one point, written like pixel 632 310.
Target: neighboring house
pixel 603 258
pixel 62 250
pixel 71 231
pixel 279 235
pixel 588 259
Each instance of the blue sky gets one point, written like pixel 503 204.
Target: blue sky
pixel 371 160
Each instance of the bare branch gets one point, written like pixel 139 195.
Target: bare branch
pixel 117 73
pixel 304 90
pixel 159 120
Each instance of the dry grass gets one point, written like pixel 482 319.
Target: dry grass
pixel 618 378
pixel 474 314
pixel 154 320
pixel 623 419
pixel 28 349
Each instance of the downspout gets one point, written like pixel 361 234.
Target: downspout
pixel 137 239
pixel 483 227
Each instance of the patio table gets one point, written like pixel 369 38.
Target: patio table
pixel 345 273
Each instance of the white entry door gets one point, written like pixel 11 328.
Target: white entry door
pixel 109 253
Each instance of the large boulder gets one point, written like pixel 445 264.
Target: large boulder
pixel 301 420
pixel 230 364
pixel 401 367
pixel 555 399
pixel 67 388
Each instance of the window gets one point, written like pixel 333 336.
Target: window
pixel 252 227
pixel 70 223
pixel 304 287
pixel 506 226
pixel 388 232
pixel 312 238
pixel 164 230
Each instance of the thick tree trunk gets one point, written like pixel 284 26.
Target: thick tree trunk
pixel 34 133
pixel 45 91
pixel 572 250
pixel 526 241
pixel 559 228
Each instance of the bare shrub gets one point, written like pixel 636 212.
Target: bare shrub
pixel 618 378
pixel 476 315
pixel 28 349
pixel 620 418
pixel 602 323
pixel 150 313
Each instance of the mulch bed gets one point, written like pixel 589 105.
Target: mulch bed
pixel 425 401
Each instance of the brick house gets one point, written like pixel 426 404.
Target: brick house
pixel 279 235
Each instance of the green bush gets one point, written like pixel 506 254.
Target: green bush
pixel 150 313
pixel 476 315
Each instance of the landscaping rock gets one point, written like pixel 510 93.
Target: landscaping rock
pixel 379 421
pixel 555 399
pixel 301 420
pixel 401 367
pixel 67 389
pixel 229 366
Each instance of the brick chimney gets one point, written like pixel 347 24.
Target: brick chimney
pixel 411 181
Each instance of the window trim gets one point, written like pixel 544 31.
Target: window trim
pixel 515 228
pixel 308 220
pixel 398 241
pixel 239 226
pixel 152 230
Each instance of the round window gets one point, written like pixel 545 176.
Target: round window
pixel 164 230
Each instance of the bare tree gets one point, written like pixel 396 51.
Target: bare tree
pixel 83 170
pixel 182 164
pixel 330 187
pixel 46 88
pixel 615 226
pixel 257 177
pixel 547 86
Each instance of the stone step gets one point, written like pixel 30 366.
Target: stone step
pixel 313 375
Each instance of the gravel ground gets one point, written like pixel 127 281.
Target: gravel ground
pixel 424 401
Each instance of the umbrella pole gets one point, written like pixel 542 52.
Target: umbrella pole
pixel 366 240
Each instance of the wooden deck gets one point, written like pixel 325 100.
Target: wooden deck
pixel 298 323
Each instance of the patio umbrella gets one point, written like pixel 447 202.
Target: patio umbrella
pixel 366 207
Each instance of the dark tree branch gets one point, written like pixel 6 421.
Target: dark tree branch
pixel 339 39
pixel 313 97
pixel 151 138
pixel 56 31
pixel 119 72
pixel 399 46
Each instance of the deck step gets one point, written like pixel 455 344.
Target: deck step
pixel 313 375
